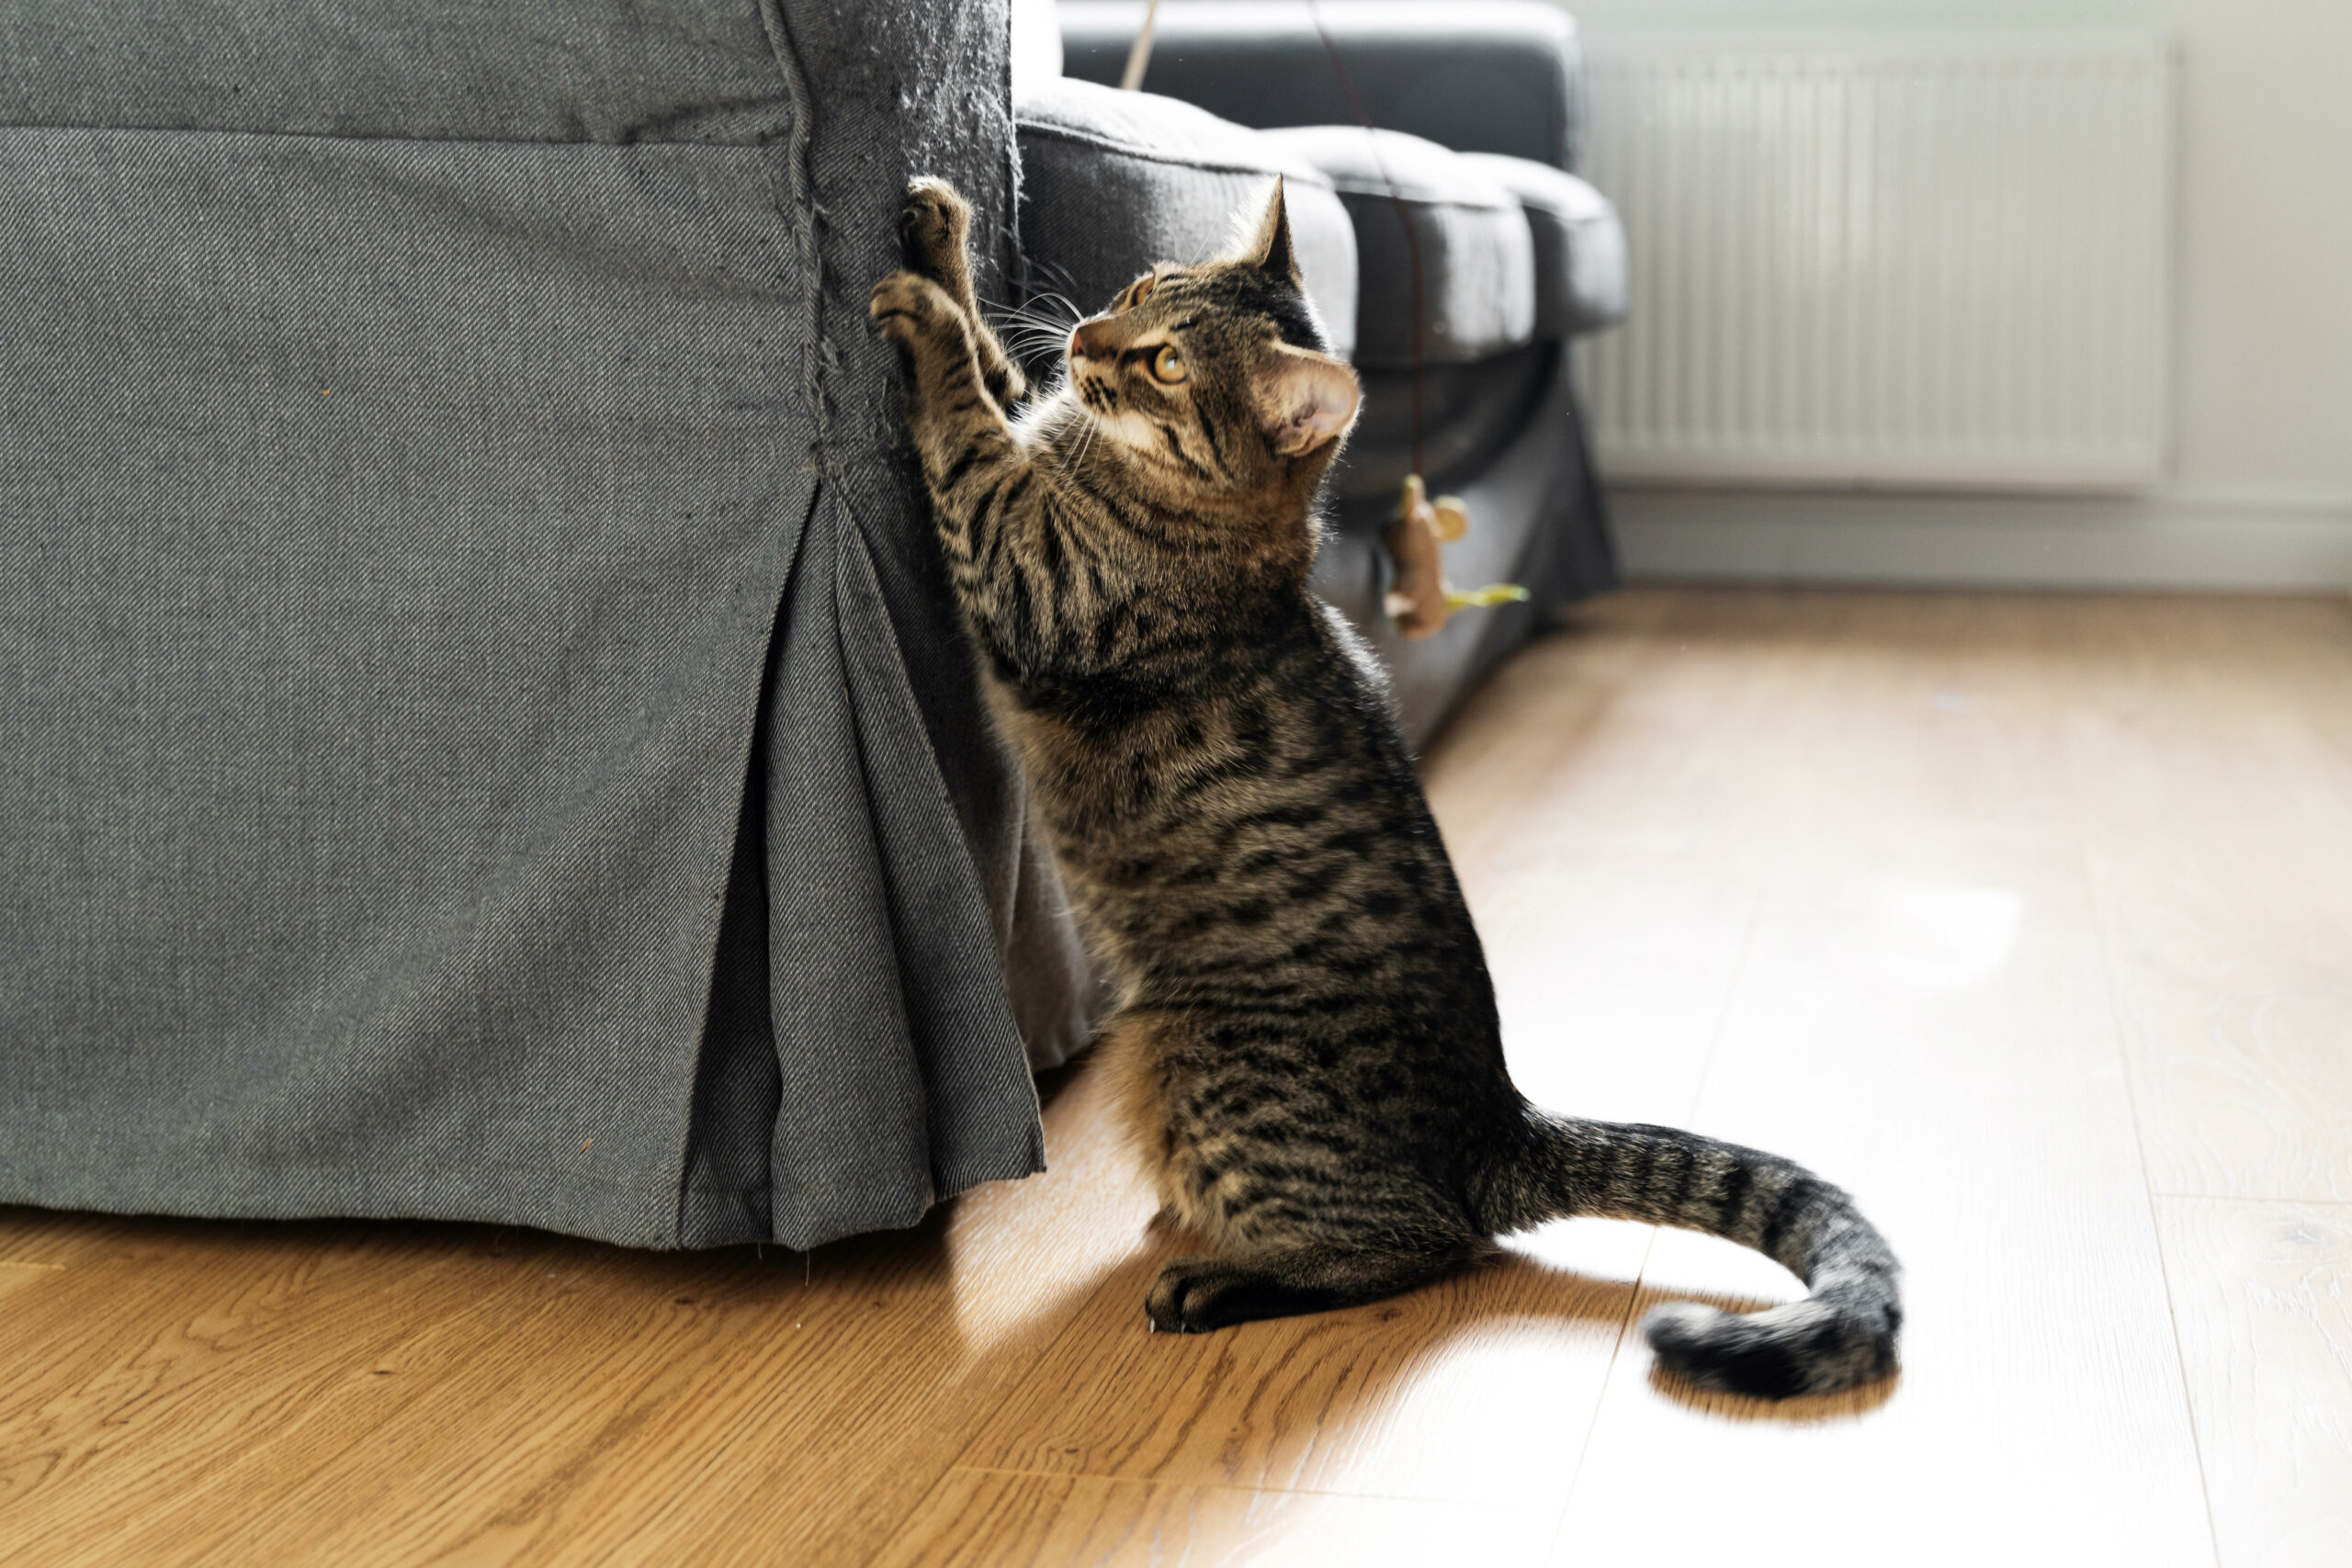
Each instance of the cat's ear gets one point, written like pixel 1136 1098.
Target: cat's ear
pixel 1269 247
pixel 1304 399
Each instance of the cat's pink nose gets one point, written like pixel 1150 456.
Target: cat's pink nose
pixel 1077 343
pixel 1085 344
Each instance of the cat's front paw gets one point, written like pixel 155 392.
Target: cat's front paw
pixel 934 227
pixel 1193 1295
pixel 907 308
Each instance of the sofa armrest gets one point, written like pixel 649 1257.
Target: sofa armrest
pixel 1475 75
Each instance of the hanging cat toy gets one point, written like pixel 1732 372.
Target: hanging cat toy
pixel 1419 599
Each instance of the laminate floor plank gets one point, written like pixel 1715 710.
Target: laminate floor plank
pixel 1477 1388
pixel 2237 1008
pixel 236 1330
pixel 1000 1519
pixel 16 1276
pixel 2215 779
pixel 2263 1296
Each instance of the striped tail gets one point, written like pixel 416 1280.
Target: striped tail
pixel 1840 1334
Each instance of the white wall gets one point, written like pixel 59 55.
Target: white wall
pixel 2262 344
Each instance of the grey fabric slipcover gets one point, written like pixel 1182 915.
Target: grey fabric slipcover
pixel 482 734
pixel 1112 182
pixel 1580 279
pixel 1475 256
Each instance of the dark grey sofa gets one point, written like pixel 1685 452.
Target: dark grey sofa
pixel 484 734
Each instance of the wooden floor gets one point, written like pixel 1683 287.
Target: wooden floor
pixel 2028 918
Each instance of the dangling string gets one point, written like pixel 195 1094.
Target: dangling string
pixel 1421 600
pixel 1139 53
pixel 1131 81
pixel 1404 216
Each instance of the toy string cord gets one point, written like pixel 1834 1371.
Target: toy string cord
pixel 1404 219
pixel 1415 513
pixel 1131 80
pixel 1139 53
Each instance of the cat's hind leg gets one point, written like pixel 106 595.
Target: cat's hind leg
pixel 934 238
pixel 1195 1295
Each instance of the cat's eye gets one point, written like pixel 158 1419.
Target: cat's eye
pixel 1141 289
pixel 1168 363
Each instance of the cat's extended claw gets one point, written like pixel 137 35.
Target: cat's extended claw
pixel 933 228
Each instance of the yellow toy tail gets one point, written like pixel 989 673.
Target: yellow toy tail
pixel 1486 598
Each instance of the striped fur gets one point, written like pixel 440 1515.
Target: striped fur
pixel 1305 1048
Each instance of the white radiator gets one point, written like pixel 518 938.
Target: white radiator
pixel 1887 261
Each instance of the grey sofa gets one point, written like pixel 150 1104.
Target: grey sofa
pixel 485 737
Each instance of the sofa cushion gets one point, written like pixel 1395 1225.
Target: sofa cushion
pixel 1477 259
pixel 1497 75
pixel 1579 247
pixel 1112 182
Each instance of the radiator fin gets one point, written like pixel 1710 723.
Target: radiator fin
pixel 1887 261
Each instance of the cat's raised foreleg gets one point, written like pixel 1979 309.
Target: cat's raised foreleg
pixel 986 496
pixel 966 449
pixel 956 426
pixel 935 236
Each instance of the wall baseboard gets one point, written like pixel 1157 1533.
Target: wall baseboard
pixel 2164 540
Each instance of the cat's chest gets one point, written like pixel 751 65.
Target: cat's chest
pixel 1094 790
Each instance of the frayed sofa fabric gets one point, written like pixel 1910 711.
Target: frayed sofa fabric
pixel 485 735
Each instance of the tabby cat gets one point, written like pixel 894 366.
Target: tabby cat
pixel 1306 1043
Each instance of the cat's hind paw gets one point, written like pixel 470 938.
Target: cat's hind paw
pixel 1193 1295
pixel 1183 1299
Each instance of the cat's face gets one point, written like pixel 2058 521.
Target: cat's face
pixel 1219 372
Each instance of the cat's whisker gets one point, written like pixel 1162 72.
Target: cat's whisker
pixel 1065 301
pixel 1094 428
pixel 1031 344
pixel 1007 322
pixel 1055 330
pixel 1032 303
pixel 1030 315
pixel 1091 426
pixel 1034 318
pixel 1031 341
